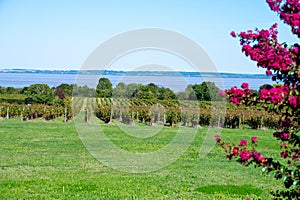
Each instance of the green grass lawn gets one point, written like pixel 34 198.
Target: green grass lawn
pixel 47 160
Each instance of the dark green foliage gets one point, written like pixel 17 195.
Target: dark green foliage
pixel 206 91
pixel 230 189
pixel 10 90
pixel 152 91
pixel 64 90
pixel 286 194
pixel 104 88
pixel 39 93
pixel 149 91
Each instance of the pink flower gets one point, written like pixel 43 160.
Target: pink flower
pixel 254 139
pixel 235 100
pixel 264 93
pixel 274 94
pixel 268 72
pixel 285 123
pixel 217 137
pixel 245 155
pixel 284 154
pixel 243 142
pixel 222 93
pixel 295 158
pixel 261 160
pixel 282 135
pixel 233 34
pixel 285 135
pixel 235 150
pixel 247 91
pixel 265 34
pixel 295 49
pixel 258 158
pixel 293 101
pixel 245 86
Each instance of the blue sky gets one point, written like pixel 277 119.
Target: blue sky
pixel 54 34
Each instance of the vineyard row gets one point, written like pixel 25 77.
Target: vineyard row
pixel 187 113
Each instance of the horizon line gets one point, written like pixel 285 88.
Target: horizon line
pixel 115 70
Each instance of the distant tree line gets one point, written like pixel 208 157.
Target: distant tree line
pixel 206 91
pixel 43 94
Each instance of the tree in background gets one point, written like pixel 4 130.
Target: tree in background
pixel 166 94
pixel 151 91
pixel 10 90
pixel 283 63
pixel 104 88
pixel 64 90
pixel 120 90
pixel 63 95
pixel 206 91
pixel 38 93
pixel 131 88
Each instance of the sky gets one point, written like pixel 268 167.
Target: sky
pixel 61 34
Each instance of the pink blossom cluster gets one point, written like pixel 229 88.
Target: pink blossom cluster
pixel 296 155
pixel 294 98
pixel 245 154
pixel 274 95
pixel 277 94
pixel 262 47
pixel 237 95
pixel 294 101
pixel 290 150
pixel 293 153
pixel 283 135
pixel 285 123
pixel 289 12
pixel 242 152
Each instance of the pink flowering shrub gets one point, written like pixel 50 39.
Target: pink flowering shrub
pixel 244 153
pixel 282 62
pixel 288 11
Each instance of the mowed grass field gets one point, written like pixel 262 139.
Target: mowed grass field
pixel 47 160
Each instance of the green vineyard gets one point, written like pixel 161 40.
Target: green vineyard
pixel 183 113
pixel 34 111
pixel 150 112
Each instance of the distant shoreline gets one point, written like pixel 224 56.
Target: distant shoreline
pixel 137 73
